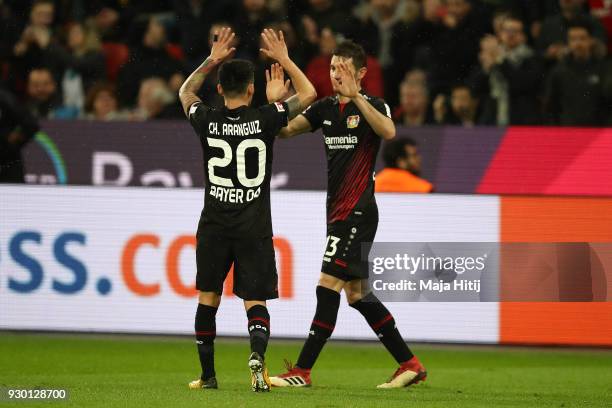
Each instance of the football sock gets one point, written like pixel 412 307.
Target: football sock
pixel 381 321
pixel 205 330
pixel 259 328
pixel 328 302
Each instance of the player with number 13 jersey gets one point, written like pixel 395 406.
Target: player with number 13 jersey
pixel 353 125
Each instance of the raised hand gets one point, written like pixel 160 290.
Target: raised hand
pixel 274 45
pixel 346 86
pixel 221 49
pixel 221 45
pixel 277 88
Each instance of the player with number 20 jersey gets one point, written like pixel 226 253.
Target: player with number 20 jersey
pixel 235 227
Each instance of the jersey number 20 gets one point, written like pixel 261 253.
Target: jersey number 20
pixel 240 162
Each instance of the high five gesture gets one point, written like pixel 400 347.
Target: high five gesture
pixel 276 49
pixel 221 48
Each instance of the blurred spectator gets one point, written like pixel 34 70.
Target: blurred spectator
pixel 412 43
pixel 602 9
pixel 579 90
pixel 532 13
pixel 252 17
pixel 83 64
pixel 329 13
pixel 442 37
pixel 416 75
pixel 463 109
pixel 509 78
pixel 414 105
pixel 39 27
pixel 455 50
pixel 110 18
pixel 382 25
pixel 43 99
pixel 9 32
pixel 17 128
pixel 102 104
pixel 318 69
pixel 498 21
pixel 31 49
pixel 113 18
pixel 148 58
pixel 157 101
pixel 402 169
pixel 553 34
pixel 194 21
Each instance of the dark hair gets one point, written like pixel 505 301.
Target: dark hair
pixel 581 23
pixel 396 149
pixel 39 2
pixel 461 85
pixel 94 91
pixel 235 76
pixel 45 68
pixel 349 49
pixel 514 17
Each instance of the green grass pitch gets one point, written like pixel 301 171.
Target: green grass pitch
pixel 121 371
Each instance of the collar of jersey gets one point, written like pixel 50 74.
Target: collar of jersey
pixel 238 109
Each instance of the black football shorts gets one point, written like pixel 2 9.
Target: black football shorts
pixel 342 257
pixel 255 276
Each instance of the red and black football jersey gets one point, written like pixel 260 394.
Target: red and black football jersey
pixel 237 146
pixel 351 147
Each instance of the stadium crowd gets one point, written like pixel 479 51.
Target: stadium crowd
pixel 455 62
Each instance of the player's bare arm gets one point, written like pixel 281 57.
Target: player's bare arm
pixel 347 87
pixel 220 51
pixel 277 89
pixel 295 127
pixel 305 93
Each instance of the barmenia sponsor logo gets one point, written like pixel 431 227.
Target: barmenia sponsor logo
pixel 341 142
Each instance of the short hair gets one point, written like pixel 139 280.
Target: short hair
pixel 418 84
pixel 581 23
pixel 461 85
pixel 396 149
pixel 513 17
pixel 39 2
pixel 41 68
pixel 235 76
pixel 350 49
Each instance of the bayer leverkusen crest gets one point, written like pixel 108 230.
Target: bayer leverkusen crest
pixel 352 121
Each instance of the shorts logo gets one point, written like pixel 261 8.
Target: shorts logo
pixel 279 106
pixel 352 121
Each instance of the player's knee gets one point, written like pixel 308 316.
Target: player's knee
pixel 248 304
pixel 353 290
pixel 352 296
pixel 330 282
pixel 209 298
